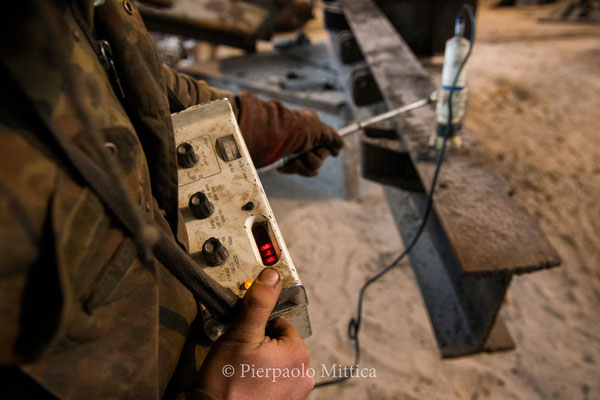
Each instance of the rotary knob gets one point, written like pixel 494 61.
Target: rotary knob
pixel 200 206
pixel 214 252
pixel 186 156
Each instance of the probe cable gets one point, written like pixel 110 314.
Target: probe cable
pixel 354 325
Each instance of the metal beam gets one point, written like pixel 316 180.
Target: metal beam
pixel 487 230
pixel 478 236
pixel 462 309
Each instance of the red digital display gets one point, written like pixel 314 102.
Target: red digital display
pixel 265 246
pixel 270 260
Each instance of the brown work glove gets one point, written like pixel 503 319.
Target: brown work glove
pixel 272 131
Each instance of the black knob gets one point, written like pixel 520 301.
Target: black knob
pixel 249 206
pixel 200 206
pixel 186 156
pixel 214 252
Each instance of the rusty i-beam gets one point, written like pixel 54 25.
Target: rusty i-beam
pixel 478 236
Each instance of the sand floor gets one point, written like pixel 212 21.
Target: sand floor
pixel 535 108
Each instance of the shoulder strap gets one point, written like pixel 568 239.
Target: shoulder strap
pixel 149 238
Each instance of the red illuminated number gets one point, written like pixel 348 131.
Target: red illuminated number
pixel 265 246
pixel 270 260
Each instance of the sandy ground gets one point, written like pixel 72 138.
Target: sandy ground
pixel 535 107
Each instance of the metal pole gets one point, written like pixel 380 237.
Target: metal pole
pixel 355 127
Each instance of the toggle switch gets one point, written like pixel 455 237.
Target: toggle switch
pixel 200 206
pixel 214 252
pixel 186 156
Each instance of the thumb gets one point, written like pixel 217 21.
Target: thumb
pixel 257 305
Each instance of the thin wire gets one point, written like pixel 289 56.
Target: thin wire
pixel 355 323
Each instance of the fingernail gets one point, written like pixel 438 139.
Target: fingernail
pixel 269 276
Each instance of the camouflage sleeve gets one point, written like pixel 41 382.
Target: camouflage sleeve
pixel 191 91
pixel 18 253
pixel 26 182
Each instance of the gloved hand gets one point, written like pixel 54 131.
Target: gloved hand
pixel 272 131
pixel 251 342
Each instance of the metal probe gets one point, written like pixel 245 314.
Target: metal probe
pixel 355 127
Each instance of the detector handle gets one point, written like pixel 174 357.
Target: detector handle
pixel 353 128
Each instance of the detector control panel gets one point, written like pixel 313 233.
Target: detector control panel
pixel 233 234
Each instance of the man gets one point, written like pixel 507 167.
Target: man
pixel 85 310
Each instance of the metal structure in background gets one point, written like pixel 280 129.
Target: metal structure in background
pixel 586 11
pixel 236 23
pixel 478 236
pixel 424 25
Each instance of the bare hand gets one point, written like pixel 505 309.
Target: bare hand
pixel 251 349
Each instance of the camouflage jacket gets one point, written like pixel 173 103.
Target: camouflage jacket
pixel 79 313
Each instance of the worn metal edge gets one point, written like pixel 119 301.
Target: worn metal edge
pixel 513 257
